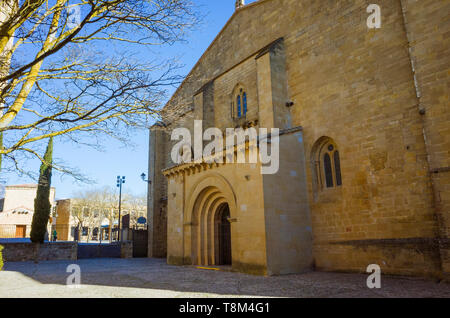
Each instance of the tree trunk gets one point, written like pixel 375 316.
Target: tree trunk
pixel 37 247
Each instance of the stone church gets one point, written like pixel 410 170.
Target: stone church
pixel 364 142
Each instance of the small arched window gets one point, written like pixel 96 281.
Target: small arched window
pixel 239 103
pixel 327 164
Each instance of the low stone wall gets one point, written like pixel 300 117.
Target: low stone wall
pixel 406 257
pixel 115 250
pixel 22 252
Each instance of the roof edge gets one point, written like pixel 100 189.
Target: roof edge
pixel 236 12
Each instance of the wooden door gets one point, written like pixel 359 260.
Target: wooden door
pixel 140 243
pixel 225 238
pixel 21 231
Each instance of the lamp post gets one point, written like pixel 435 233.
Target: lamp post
pixel 143 175
pixel 120 181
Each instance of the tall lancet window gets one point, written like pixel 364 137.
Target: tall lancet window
pixel 239 105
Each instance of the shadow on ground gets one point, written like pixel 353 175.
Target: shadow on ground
pixel 154 278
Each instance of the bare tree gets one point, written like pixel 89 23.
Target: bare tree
pixel 91 207
pixel 82 209
pixel 108 201
pixel 62 73
pixel 135 206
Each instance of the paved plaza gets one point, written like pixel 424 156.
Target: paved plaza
pixel 154 278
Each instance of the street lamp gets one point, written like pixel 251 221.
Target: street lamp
pixel 120 181
pixel 143 175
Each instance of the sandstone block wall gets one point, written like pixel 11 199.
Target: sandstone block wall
pixel 355 86
pixel 381 95
pixel 427 27
pixel 195 194
pixel 23 252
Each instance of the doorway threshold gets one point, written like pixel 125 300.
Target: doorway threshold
pixel 220 268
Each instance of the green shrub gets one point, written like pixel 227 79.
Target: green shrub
pixel 1 258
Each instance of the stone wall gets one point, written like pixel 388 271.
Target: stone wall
pixel 427 27
pixel 355 86
pixel 286 209
pixel 200 191
pixel 243 75
pixel 381 95
pixel 123 249
pixel 23 252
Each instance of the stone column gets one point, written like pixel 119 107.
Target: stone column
pixel 157 194
pixel 273 88
pixel 175 251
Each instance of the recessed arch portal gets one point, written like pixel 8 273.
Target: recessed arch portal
pixel 212 207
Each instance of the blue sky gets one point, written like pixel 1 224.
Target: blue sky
pixel 104 167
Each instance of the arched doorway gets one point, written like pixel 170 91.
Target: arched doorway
pixel 223 237
pixel 208 232
pixel 211 229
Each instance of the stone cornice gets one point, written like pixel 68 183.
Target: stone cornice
pixel 208 163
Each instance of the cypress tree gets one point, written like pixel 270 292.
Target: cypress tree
pixel 42 204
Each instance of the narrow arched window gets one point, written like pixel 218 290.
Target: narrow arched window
pixel 326 164
pixel 239 103
pixel 328 170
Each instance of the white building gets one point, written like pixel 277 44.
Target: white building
pixel 18 208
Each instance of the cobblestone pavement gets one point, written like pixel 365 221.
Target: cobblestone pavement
pixel 154 278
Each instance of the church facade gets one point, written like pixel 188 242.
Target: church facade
pixel 364 143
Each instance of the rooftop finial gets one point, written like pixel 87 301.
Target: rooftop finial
pixel 239 4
